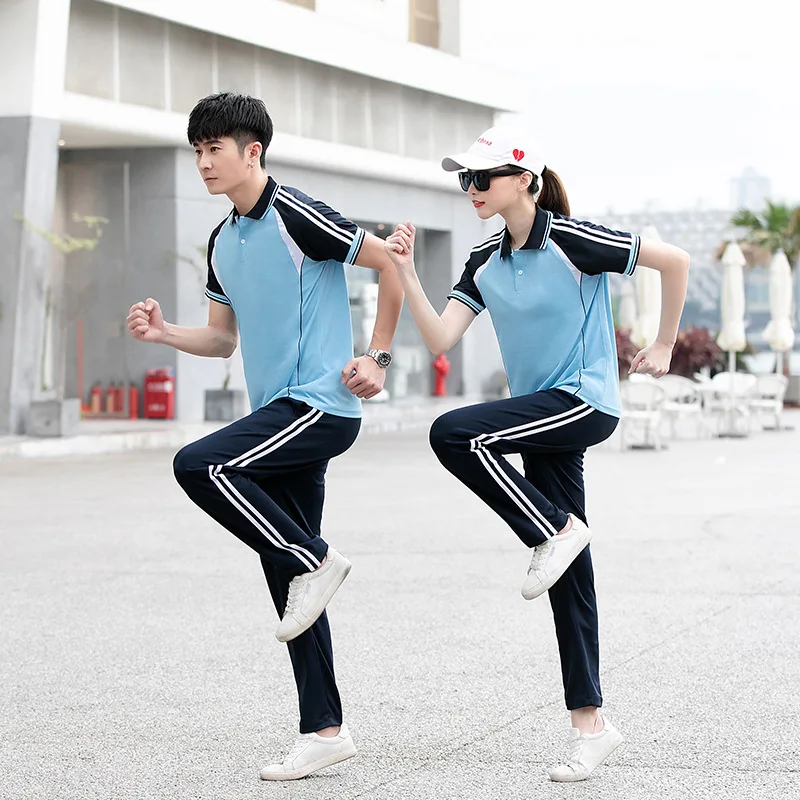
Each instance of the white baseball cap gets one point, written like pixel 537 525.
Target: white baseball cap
pixel 498 147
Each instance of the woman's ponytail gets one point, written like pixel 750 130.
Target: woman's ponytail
pixel 553 196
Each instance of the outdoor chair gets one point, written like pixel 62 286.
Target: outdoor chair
pixel 728 400
pixel 768 396
pixel 684 401
pixel 642 405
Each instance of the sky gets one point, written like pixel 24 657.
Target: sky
pixel 653 104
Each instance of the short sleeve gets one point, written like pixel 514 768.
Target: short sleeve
pixel 467 292
pixel 321 233
pixel 214 290
pixel 594 249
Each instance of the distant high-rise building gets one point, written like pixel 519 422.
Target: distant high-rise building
pixel 750 190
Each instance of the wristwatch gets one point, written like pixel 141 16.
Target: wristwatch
pixel 382 357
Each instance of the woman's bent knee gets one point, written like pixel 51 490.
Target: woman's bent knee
pixel 444 433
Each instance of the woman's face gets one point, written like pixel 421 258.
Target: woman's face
pixel 504 191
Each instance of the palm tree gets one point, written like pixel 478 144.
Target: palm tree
pixel 775 228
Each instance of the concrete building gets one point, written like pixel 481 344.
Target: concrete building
pixel 366 95
pixel 750 190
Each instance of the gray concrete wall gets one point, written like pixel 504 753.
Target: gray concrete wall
pixel 28 165
pixel 104 283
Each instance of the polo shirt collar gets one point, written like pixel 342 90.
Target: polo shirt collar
pixel 263 204
pixel 537 239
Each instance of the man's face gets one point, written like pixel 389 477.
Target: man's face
pixel 222 167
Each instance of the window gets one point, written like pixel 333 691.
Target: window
pixel 304 3
pixel 424 22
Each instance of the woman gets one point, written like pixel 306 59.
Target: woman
pixel 543 280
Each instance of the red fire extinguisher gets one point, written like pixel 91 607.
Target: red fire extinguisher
pixel 133 401
pixel 96 399
pixel 442 367
pixel 111 399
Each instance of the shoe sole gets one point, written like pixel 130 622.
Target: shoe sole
pixel 321 606
pixel 616 739
pixel 311 768
pixel 578 547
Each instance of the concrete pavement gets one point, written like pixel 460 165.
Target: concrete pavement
pixel 138 658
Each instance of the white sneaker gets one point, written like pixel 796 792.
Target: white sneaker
pixel 310 753
pixel 586 752
pixel 309 593
pixel 551 559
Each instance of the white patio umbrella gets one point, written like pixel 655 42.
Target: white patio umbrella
pixel 648 296
pixel 779 333
pixel 731 336
pixel 626 315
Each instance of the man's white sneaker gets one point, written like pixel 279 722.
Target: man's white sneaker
pixel 551 559
pixel 310 753
pixel 309 593
pixel 586 752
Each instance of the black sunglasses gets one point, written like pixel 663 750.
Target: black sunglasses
pixel 482 178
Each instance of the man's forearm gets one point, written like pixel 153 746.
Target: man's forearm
pixel 390 304
pixel 207 341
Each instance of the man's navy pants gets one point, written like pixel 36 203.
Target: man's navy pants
pixel 551 429
pixel 263 478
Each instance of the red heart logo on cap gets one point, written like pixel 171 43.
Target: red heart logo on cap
pixel 519 155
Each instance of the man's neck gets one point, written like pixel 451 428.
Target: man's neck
pixel 247 194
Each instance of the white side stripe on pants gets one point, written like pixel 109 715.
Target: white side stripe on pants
pixel 258 521
pixel 241 504
pixel 513 491
pixel 537 426
pixel 479 445
pixel 280 438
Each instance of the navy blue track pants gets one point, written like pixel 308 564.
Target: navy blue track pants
pixel 263 478
pixel 551 429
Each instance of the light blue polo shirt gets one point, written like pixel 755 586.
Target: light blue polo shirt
pixel 280 267
pixel 551 306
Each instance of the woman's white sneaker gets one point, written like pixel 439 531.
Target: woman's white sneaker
pixel 586 752
pixel 310 753
pixel 309 593
pixel 551 559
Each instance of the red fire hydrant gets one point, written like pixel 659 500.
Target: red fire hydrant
pixel 442 367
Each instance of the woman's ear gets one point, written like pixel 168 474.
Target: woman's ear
pixel 526 178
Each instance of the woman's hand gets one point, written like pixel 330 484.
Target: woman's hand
pixel 652 360
pixel 400 246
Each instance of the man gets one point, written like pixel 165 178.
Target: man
pixel 276 279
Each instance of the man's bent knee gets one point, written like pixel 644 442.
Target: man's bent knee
pixel 189 461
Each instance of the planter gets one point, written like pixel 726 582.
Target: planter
pixel 225 405
pixel 793 391
pixel 54 417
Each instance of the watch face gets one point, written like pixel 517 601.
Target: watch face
pixel 384 359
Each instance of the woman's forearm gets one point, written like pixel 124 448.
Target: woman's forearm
pixel 433 329
pixel 673 297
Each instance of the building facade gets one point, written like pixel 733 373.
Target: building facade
pixel 366 96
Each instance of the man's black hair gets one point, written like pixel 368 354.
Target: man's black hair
pixel 239 116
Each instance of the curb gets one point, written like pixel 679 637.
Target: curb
pixel 377 420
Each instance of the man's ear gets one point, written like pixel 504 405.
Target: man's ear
pixel 254 152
